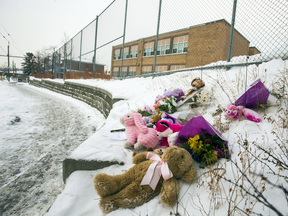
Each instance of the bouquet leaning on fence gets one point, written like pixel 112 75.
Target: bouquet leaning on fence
pixel 205 144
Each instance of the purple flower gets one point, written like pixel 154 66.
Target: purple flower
pixel 219 152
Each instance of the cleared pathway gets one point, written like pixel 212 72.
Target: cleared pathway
pixel 32 150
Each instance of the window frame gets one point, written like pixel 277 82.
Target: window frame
pixel 146 71
pixel 164 67
pixel 163 47
pixel 133 51
pixel 183 43
pixel 115 71
pixel 131 69
pixel 149 50
pixel 126 53
pixel 124 71
pixel 117 54
pixel 176 67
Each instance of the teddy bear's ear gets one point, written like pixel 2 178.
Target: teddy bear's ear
pixel 190 175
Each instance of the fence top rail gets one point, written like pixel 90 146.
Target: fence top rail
pixel 207 67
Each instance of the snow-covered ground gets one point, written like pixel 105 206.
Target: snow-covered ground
pixel 198 198
pixel 51 126
pixel 204 196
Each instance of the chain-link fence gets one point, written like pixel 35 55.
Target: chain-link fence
pixel 144 37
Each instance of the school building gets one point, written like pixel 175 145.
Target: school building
pixel 184 48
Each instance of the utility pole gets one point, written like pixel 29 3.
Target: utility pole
pixel 8 61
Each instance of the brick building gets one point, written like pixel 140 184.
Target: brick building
pixel 184 48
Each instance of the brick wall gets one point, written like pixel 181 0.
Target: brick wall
pixel 206 43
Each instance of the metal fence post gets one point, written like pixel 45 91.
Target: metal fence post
pixel 53 62
pixel 156 45
pixel 124 32
pixel 232 31
pixel 80 53
pixel 71 54
pixel 65 56
pixel 95 43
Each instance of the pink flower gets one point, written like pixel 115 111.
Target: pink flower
pixel 157 98
pixel 147 108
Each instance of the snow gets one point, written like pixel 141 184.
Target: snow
pixel 80 198
pixel 51 126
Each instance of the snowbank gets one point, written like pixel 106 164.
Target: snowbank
pixel 79 196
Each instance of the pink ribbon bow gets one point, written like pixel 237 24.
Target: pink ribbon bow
pixel 155 170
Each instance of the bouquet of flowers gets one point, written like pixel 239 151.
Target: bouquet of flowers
pixel 205 144
pixel 206 149
pixel 166 104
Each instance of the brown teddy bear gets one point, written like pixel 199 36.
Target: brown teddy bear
pixel 196 84
pixel 129 190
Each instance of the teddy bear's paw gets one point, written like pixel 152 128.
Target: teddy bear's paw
pixel 107 206
pixel 138 146
pixel 127 144
pixel 104 184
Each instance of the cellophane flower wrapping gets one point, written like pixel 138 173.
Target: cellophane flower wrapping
pixel 205 144
pixel 254 96
pixel 177 93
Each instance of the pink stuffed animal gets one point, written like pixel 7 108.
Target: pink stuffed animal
pixel 238 111
pixel 164 129
pixel 136 129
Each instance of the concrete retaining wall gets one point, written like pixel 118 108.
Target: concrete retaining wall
pixel 101 99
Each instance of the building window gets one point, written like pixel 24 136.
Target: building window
pixel 126 53
pixel 146 70
pixel 132 71
pixel 115 71
pixel 87 67
pixel 116 54
pixel 180 44
pixel 177 67
pixel 148 49
pixel 161 68
pixel 123 73
pixel 134 51
pixel 163 47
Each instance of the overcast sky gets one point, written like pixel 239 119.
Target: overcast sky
pixel 37 24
